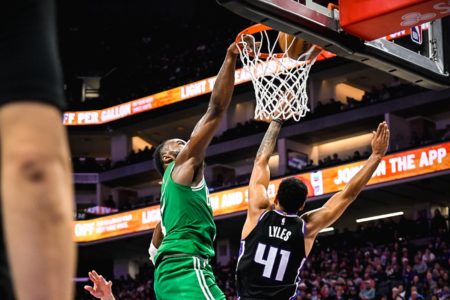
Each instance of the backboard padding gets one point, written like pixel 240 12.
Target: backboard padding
pixel 304 22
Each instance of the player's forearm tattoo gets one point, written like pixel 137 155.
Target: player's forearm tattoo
pixel 269 141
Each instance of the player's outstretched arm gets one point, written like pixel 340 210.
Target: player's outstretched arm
pixel 334 208
pixel 207 126
pixel 102 289
pixel 258 201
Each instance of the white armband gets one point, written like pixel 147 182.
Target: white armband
pixel 152 251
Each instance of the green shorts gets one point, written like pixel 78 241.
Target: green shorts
pixel 186 277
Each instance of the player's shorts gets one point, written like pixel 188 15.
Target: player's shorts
pixel 186 277
pixel 29 59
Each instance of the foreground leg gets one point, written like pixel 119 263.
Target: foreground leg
pixel 37 200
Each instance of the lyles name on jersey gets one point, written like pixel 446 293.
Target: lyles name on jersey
pixel 278 232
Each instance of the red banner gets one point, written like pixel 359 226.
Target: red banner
pixel 393 167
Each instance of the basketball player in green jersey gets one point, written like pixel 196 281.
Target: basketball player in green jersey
pixel 187 224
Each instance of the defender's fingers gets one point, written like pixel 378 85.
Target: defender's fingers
pixel 387 134
pixel 96 277
pixel 379 129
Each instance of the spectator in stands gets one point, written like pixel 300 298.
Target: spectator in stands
pixel 420 267
pixel 368 292
pixel 438 223
pixel 428 257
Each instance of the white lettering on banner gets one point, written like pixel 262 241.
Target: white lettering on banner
pixel 344 175
pixel 231 199
pixel 381 169
pixel 116 112
pixel 84 229
pixel 428 158
pixel 271 190
pixel 88 117
pixel 69 118
pixel 193 89
pixel 142 104
pixel 413 18
pixel 241 75
pixel 113 224
pixel 442 7
pixel 214 202
pixel 402 163
pixel 150 216
pixel 211 82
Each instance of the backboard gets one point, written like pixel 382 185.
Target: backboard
pixel 425 64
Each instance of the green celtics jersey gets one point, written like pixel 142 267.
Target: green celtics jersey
pixel 186 219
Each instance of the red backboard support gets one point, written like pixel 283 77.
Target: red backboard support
pixel 315 23
pixel 373 19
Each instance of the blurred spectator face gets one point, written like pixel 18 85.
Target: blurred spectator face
pixel 302 287
pixel 413 295
pixel 416 279
pixel 395 292
pixel 325 291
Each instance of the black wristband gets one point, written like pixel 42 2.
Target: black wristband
pixel 279 121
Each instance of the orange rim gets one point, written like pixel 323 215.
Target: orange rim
pixel 255 29
pixel 260 28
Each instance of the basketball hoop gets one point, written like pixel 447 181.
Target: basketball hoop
pixel 279 81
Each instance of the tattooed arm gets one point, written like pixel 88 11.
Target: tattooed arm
pixel 258 201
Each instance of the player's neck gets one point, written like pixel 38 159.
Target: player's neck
pixel 280 210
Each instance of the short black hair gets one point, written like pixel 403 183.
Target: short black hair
pixel 292 194
pixel 157 159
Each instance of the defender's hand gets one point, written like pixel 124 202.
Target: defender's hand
pixel 380 140
pixel 101 288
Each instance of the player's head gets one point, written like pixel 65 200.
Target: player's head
pixel 291 195
pixel 166 152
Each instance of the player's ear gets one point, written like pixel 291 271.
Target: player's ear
pixel 303 206
pixel 166 158
pixel 275 201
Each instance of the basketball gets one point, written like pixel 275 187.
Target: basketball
pixel 295 46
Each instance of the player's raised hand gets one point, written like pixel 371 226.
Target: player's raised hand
pixel 101 289
pixel 249 44
pixel 380 139
pixel 233 49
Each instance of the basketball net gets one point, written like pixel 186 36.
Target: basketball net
pixel 279 81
